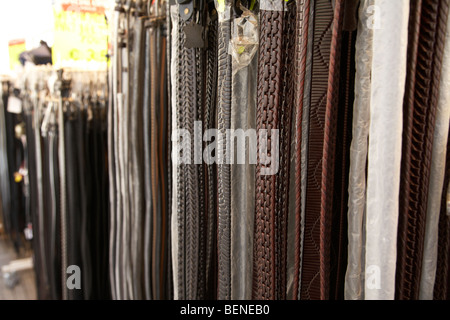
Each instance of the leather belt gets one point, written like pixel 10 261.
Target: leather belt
pixel 427 34
pixel 210 176
pixel 274 110
pixel 286 114
pixel 437 176
pixel 442 282
pixel 314 259
pixel 223 169
pixel 343 134
pixel 136 144
pixel 190 95
pixel 147 170
pixel 303 22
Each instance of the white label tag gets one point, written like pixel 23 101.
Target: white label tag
pixel 272 5
pixel 14 105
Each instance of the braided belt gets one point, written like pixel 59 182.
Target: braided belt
pixel 286 113
pixel 275 98
pixel 223 169
pixel 190 97
pixel 442 282
pixel 210 177
pixel 427 34
pixel 303 21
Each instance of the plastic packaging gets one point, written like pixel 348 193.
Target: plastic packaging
pixel 385 148
pixel 354 284
pixel 245 39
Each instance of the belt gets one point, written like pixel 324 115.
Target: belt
pixel 136 139
pixel 158 135
pixel 313 265
pixel 147 171
pixel 4 168
pixel 210 176
pixel 422 92
pixel 329 152
pixel 63 198
pixel 189 109
pixel 223 169
pixel 303 14
pixel 175 227
pixel 270 227
pixel 169 276
pixel 286 114
pixel 437 176
pixel 442 282
pixel 343 134
pixel 112 181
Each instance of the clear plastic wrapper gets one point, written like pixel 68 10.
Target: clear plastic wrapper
pixel 385 148
pixel 245 39
pixel 354 285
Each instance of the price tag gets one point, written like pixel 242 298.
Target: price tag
pixel 14 105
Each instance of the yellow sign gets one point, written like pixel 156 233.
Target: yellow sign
pixel 80 37
pixel 16 47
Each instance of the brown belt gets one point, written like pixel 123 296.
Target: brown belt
pixel 316 238
pixel 268 99
pixel 442 282
pixel 343 134
pixel 276 73
pixel 303 10
pixel 286 113
pixel 425 51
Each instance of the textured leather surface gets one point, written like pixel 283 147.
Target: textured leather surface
pixel 312 274
pixel 267 117
pixel 275 101
pixel 303 21
pixel 427 35
pixel 442 283
pixel 223 169
pixel 211 170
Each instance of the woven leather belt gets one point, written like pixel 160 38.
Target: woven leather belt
pixel 275 98
pixel 268 95
pixel 425 51
pixel 223 169
pixel 442 282
pixel 210 176
pixel 190 96
pixel 303 23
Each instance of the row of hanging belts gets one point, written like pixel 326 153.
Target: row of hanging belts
pixel 138 147
pixel 64 153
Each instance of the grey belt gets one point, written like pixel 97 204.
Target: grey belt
pixel 224 170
